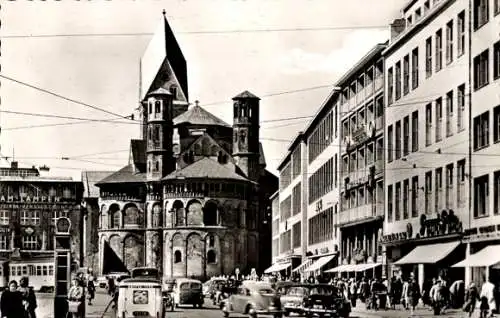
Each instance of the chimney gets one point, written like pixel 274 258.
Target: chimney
pixel 397 27
pixel 14 165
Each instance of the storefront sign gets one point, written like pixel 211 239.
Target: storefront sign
pixel 489 231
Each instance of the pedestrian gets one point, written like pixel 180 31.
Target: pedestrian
pixel 404 294
pixel 413 294
pixel 353 292
pixel 29 297
pixel 11 302
pixel 471 299
pixel 76 299
pixel 111 286
pixel 90 286
pixel 487 296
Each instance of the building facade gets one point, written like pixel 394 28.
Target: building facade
pixel 308 196
pixel 29 207
pixel 361 213
pixel 194 199
pixel 482 238
pixel 427 139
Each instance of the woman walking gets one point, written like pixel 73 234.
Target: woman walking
pixel 76 299
pixel 29 297
pixel 11 302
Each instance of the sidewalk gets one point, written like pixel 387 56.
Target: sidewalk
pixel 361 311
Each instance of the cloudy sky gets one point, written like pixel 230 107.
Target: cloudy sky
pixel 103 71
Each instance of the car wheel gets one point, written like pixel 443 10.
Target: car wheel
pixel 252 313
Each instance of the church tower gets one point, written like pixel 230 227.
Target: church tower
pixel 246 133
pixel 160 161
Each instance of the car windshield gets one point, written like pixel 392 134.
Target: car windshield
pixel 145 272
pixel 195 286
pixel 321 291
pixel 264 291
pixel 297 291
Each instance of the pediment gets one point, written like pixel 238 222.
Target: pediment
pixel 204 146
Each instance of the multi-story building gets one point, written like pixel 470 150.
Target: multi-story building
pixel 308 194
pixel 427 138
pixel 361 215
pixel 482 238
pixel 29 206
pixel 194 198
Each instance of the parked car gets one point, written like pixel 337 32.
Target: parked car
pixel 292 300
pixel 253 298
pixel 326 300
pixel 188 291
pixel 210 285
pixel 102 281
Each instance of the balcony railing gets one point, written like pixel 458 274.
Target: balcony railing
pixel 379 123
pixel 369 90
pixel 360 213
pixel 379 83
pixel 379 166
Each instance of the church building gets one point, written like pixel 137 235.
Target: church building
pixel 193 198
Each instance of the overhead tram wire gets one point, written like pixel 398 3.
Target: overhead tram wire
pixel 64 97
pixel 264 30
pixel 66 117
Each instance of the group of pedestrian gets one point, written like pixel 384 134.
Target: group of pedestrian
pixel 18 301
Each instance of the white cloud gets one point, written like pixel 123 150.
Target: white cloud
pixel 355 45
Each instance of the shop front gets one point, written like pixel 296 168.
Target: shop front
pixel 283 266
pixel 316 264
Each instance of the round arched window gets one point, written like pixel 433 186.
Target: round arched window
pixel 177 257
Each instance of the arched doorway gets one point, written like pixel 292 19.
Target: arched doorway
pixel 194 255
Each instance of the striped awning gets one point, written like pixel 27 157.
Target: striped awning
pixel 302 267
pixel 277 267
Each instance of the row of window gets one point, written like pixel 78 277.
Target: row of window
pixel 321 227
pixel 286 176
pixel 31 191
pixel 399 76
pixel 286 241
pixel 296 161
pixel 367 83
pixel 399 139
pixel 323 135
pixel 286 208
pixel 31 270
pixel 29 242
pixel 403 197
pixel 362 195
pixel 418 13
pixel 482 195
pixel 30 217
pixel 323 180
pixel 481 125
pixel 481 9
pixel 363 157
pixel 297 199
pixel 211 257
pixel 363 117
pixel 481 65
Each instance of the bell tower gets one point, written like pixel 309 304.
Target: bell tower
pixel 159 154
pixel 246 133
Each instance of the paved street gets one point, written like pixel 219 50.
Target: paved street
pixel 102 299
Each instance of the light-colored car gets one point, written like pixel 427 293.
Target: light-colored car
pixel 140 297
pixel 253 298
pixel 292 300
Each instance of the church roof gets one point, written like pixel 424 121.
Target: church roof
pixel 245 94
pixel 126 174
pixel 206 168
pixel 197 115
pixel 160 91
pixel 89 179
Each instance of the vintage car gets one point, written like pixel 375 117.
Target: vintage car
pixel 253 298
pixel 224 290
pixel 292 300
pixel 326 301
pixel 145 272
pixel 187 291
pixel 210 286
pixel 281 287
pixel 140 297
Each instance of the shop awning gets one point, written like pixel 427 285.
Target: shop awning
pixel 276 267
pixel 303 266
pixel 364 267
pixel 322 261
pixel 488 256
pixel 428 254
pixel 341 269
